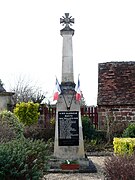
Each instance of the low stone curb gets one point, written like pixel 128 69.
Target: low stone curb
pixel 102 153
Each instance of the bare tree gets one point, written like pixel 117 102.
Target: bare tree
pixel 25 91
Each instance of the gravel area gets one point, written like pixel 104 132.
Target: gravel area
pixel 98 162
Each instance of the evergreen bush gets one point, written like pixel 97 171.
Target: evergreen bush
pixel 10 127
pixel 88 129
pixel 129 131
pixel 90 133
pixel 23 159
pixel 27 112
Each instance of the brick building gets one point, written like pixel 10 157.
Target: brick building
pixel 116 93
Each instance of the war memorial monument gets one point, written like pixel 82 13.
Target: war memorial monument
pixel 68 143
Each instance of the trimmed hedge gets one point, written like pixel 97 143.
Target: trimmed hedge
pixel 124 146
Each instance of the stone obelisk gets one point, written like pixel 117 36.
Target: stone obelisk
pixel 68 129
pixel 67 51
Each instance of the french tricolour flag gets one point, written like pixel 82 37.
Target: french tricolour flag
pixel 57 90
pixel 78 90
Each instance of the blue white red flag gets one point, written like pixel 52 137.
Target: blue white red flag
pixel 78 90
pixel 57 90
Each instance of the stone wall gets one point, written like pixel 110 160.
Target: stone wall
pixel 6 101
pixel 119 116
pixel 3 103
pixel 116 94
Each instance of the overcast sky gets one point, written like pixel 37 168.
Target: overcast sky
pixel 31 45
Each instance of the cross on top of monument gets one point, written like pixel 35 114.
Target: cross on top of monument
pixel 67 21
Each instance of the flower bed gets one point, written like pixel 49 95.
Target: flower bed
pixel 69 165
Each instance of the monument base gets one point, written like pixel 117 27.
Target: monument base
pixel 84 165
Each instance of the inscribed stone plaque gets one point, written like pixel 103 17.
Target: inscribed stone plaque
pixel 68 128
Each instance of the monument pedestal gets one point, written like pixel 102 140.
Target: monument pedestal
pixel 69 143
pixel 85 166
pixel 68 128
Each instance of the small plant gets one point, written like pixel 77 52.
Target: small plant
pixel 129 131
pixel 52 122
pixel 27 112
pixel 70 162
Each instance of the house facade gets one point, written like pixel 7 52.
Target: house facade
pixel 6 101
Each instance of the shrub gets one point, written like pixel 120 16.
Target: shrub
pixel 124 146
pixel 91 145
pixel 88 129
pixel 120 167
pixel 117 128
pixel 23 159
pixel 27 112
pixel 90 133
pixel 10 127
pixel 129 131
pixel 39 132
